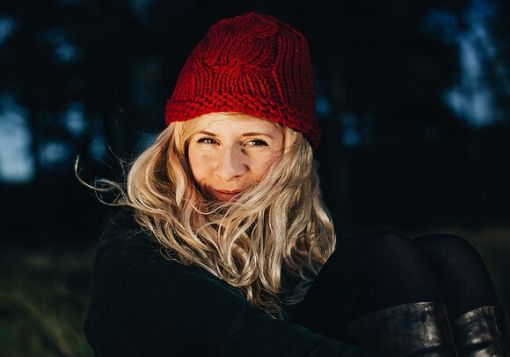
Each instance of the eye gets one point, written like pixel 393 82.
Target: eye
pixel 207 140
pixel 257 142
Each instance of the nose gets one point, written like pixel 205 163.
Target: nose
pixel 231 164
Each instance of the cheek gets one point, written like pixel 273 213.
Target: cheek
pixel 192 161
pixel 199 165
pixel 260 168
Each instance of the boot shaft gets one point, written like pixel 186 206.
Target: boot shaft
pixel 482 332
pixel 415 329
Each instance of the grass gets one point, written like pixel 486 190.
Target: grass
pixel 43 302
pixel 44 295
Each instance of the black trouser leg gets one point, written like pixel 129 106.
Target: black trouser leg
pixel 460 270
pixel 386 276
pixel 477 318
pixel 367 272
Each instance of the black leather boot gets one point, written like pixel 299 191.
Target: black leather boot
pixel 482 332
pixel 415 329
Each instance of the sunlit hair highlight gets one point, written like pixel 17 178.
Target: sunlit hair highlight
pixel 279 227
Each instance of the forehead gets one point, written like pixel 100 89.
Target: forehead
pixel 235 122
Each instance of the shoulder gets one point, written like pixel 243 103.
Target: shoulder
pixel 122 231
pixel 122 236
pixel 128 251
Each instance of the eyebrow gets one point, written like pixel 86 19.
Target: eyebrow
pixel 244 135
pixel 258 134
pixel 206 133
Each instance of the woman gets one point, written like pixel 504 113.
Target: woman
pixel 222 230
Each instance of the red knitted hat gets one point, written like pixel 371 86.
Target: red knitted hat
pixel 252 64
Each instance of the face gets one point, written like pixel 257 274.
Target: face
pixel 231 153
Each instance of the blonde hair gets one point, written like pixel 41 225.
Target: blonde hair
pixel 280 226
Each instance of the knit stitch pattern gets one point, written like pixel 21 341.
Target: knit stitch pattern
pixel 252 64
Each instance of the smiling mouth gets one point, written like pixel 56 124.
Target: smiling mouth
pixel 226 194
pixel 229 192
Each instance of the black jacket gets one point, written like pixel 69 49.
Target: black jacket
pixel 145 305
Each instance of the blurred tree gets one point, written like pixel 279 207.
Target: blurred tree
pixel 93 77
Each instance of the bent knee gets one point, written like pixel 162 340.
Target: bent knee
pixel 386 242
pixel 443 241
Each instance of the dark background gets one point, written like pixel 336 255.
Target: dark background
pixel 413 98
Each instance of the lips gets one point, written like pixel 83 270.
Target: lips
pixel 235 192
pixel 225 195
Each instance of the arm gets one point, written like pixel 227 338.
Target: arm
pixel 144 305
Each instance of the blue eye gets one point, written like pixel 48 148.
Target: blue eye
pixel 206 140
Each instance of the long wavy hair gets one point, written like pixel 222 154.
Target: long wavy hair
pixel 270 242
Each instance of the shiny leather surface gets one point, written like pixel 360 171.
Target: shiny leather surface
pixel 417 329
pixel 481 333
